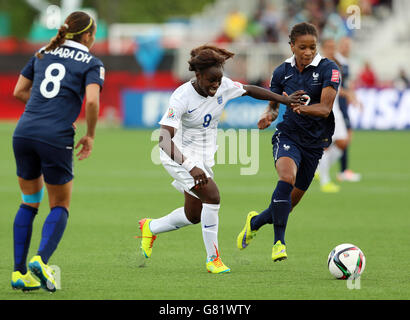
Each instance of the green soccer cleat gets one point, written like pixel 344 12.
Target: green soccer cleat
pixel 246 235
pixel 330 187
pixel 44 273
pixel 147 238
pixel 216 266
pixel 279 251
pixel 25 282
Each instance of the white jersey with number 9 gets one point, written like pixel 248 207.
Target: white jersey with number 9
pixel 196 118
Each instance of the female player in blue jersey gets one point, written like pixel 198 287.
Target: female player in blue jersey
pixel 52 85
pixel 300 138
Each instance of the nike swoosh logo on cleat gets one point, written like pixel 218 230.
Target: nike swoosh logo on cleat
pixel 244 245
pixel 274 200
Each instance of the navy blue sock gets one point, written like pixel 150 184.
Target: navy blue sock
pixel 343 161
pixel 281 206
pixel 265 217
pixel 53 230
pixel 22 228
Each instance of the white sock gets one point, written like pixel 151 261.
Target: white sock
pixel 210 222
pixel 330 156
pixel 173 221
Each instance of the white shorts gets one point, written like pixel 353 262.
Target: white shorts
pixel 183 180
pixel 340 124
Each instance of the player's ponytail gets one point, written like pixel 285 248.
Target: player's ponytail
pixel 207 56
pixel 55 42
pixel 76 24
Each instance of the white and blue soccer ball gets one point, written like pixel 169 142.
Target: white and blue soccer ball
pixel 346 261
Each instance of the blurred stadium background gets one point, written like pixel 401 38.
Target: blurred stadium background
pixel 145 46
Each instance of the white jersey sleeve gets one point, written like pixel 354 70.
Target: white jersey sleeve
pixel 177 107
pixel 234 89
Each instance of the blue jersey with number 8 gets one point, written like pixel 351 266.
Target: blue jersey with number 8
pixel 59 81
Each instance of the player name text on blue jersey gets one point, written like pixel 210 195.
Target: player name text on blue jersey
pixel 71 53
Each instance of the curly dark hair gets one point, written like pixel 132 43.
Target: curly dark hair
pixel 207 56
pixel 302 29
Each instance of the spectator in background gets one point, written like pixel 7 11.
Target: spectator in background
pixel 312 12
pixel 402 82
pixel 270 21
pixel 367 77
pixel 335 27
pixel 266 24
pixel 344 4
pixel 255 28
pixel 235 25
pixel 365 6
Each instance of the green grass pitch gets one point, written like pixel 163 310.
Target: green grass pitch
pixel 119 184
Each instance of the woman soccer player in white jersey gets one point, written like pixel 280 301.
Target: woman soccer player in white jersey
pixel 188 143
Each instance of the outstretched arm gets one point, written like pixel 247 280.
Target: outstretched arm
pixel 264 94
pixel 272 110
pixel 321 109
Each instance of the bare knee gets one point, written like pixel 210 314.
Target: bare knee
pixel 209 193
pixel 59 200
pixel 192 208
pixel 212 198
pixel 59 195
pixel 342 144
pixel 289 178
pixel 287 170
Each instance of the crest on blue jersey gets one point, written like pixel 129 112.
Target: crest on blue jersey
pixel 219 99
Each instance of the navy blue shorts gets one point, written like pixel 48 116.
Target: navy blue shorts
pixel 306 159
pixel 34 158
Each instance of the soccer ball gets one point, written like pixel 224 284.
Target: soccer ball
pixel 346 261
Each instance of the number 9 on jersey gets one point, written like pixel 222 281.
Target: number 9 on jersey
pixel 207 120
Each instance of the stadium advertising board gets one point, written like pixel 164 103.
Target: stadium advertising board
pixel 386 109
